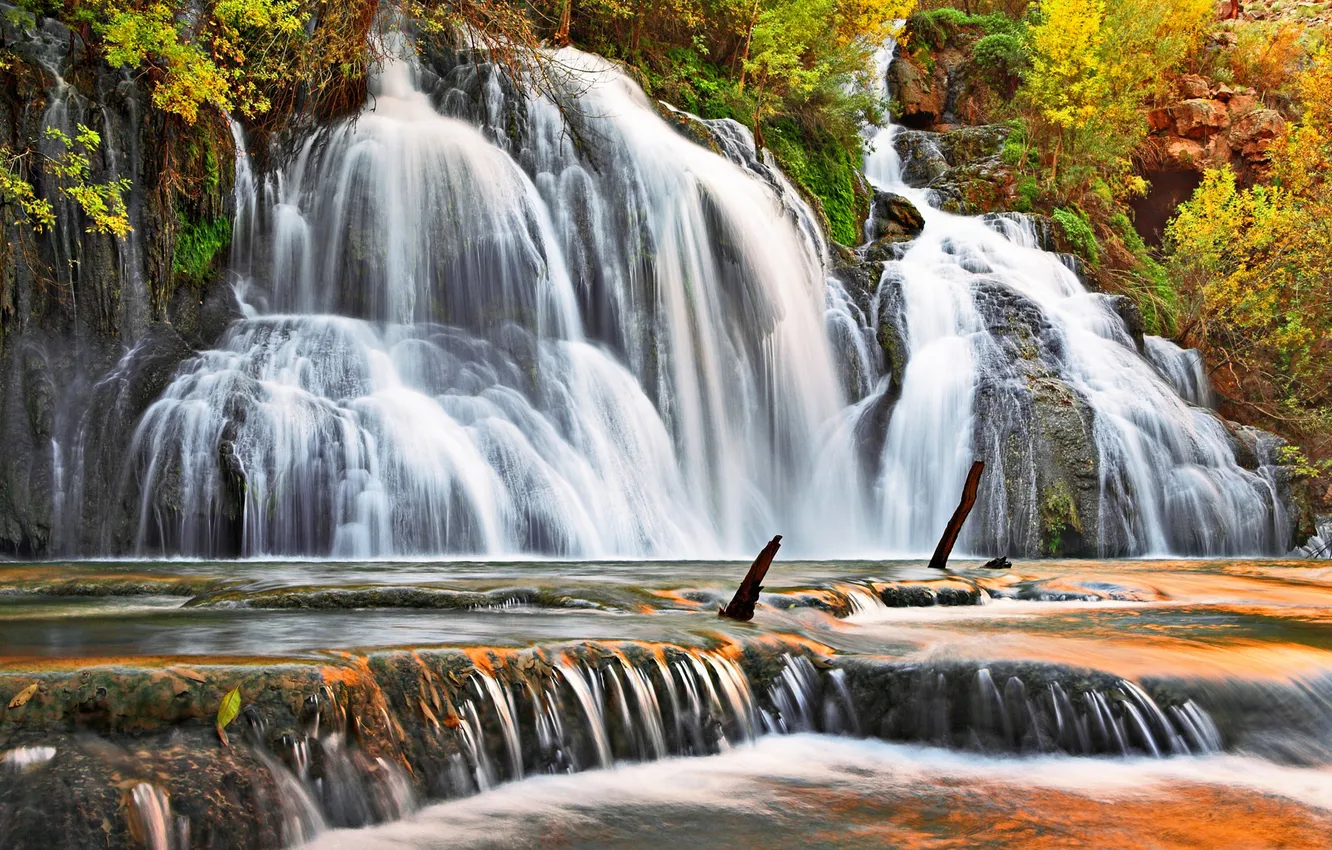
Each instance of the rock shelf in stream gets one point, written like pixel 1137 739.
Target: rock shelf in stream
pixel 838 598
pixel 104 751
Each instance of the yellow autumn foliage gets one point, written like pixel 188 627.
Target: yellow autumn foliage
pixel 1094 65
pixel 1256 263
pixel 1065 83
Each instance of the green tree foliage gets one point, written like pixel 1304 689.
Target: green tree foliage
pixel 1003 58
pixel 102 203
pixel 1078 231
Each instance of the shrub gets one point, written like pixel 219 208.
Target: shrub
pixel 1002 59
pixel 198 245
pixel 1028 194
pixel 1079 233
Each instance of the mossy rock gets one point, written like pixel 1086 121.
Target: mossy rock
pixel 894 218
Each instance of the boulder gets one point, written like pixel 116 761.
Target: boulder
pixel 921 95
pixel 1159 120
pixel 962 167
pixel 894 218
pixel 967 144
pixel 1068 470
pixel 922 160
pixel 1242 104
pixel 1192 86
pixel 1185 154
pixel 1252 134
pixel 1198 118
pixel 1129 313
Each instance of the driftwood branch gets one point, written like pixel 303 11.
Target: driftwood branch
pixel 746 596
pixel 945 547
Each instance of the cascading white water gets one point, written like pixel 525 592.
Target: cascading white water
pixel 621 354
pixel 483 324
pixel 1168 476
pixel 1182 368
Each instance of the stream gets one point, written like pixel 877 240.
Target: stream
pixel 1145 703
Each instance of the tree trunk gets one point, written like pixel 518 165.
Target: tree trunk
pixel 945 547
pixel 747 595
pixel 744 51
pixel 562 33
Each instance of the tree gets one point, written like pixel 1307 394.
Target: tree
pixel 1256 266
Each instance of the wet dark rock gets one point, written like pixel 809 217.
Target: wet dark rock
pixel 1068 472
pixel 970 144
pixel 886 250
pixel 894 218
pixel 1039 431
pixel 858 275
pixel 1000 563
pixel 1015 707
pixel 925 594
pixel 962 168
pixel 893 328
pixel 89 302
pixel 690 126
pixel 1128 311
pixel 922 157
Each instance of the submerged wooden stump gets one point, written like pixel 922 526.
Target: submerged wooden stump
pixel 945 547
pixel 746 596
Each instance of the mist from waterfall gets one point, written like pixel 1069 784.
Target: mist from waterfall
pixel 484 324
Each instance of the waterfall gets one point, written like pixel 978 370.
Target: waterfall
pixel 1182 368
pixel 593 339
pixel 478 321
pixel 999 333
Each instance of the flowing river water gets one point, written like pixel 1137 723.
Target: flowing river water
pixel 469 333
pixel 1057 704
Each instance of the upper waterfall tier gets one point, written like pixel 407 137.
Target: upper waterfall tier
pixel 572 332
pixel 1008 357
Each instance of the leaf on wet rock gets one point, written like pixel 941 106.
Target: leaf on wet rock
pixel 227 712
pixel 428 714
pixel 21 698
pixel 188 673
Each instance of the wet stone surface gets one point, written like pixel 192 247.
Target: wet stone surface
pixel 369 691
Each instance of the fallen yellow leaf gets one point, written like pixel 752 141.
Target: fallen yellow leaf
pixel 22 697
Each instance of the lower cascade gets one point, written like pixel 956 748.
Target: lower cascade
pixel 449 723
pixel 478 323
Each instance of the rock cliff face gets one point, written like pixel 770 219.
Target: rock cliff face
pixel 91 327
pixel 962 167
pixel 1208 126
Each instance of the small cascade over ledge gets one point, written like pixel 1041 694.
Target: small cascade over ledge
pixel 368 739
